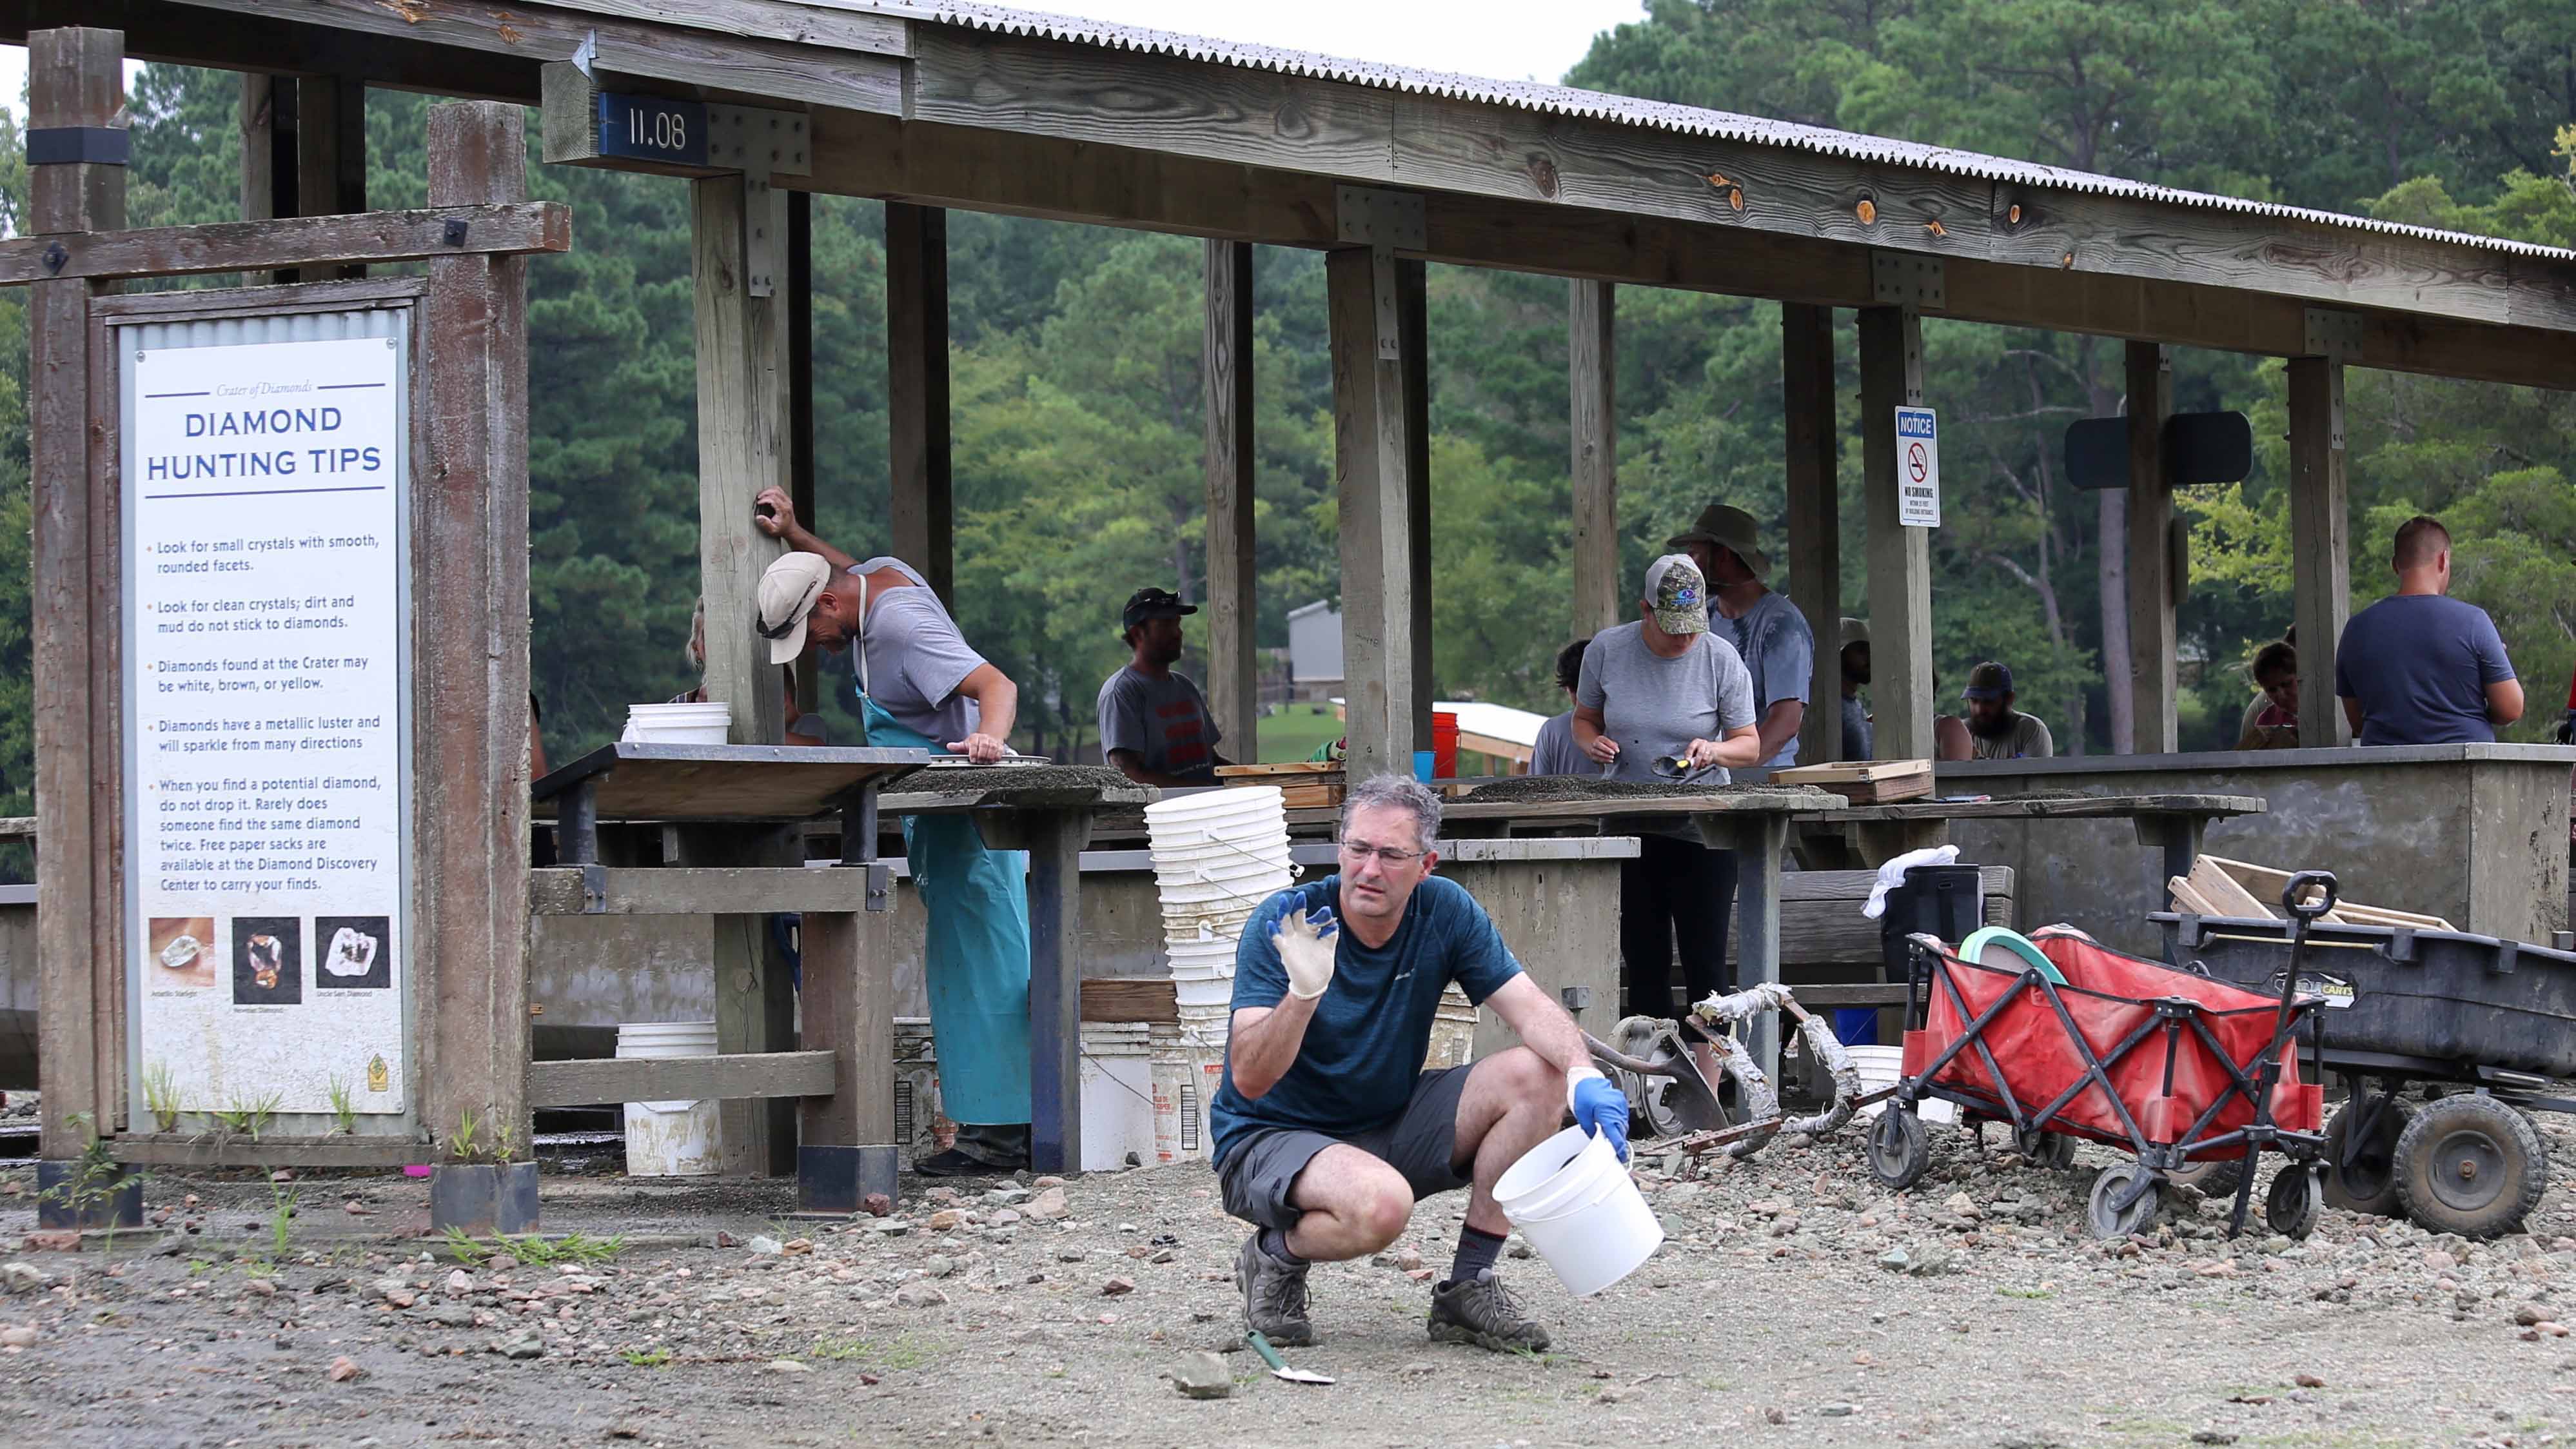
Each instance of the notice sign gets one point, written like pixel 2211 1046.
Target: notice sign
pixel 264 495
pixel 1918 468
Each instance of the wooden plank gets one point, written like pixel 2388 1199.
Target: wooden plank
pixel 1814 488
pixel 260 144
pixel 1055 991
pixel 2320 543
pixel 1233 643
pixel 2188 900
pixel 1618 807
pixel 924 511
pixel 700 891
pixel 1413 331
pixel 1900 558
pixel 2153 589
pixel 755 1001
pixel 726 782
pixel 239 246
pixel 153 1149
pixel 848 1014
pixel 469 544
pixel 1144 999
pixel 2055 807
pixel 1372 456
pixel 1852 772
pixel 692 61
pixel 1273 773
pixel 742 449
pixel 1064 180
pixel 2222 891
pixel 819 25
pixel 1592 356
pixel 180 33
pixel 331 155
pixel 729 1077
pixel 108 945
pixel 75 78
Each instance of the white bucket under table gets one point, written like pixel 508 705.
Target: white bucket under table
pixel 710 723
pixel 1881 1066
pixel 670 1139
pixel 1117 1074
pixel 1573 1199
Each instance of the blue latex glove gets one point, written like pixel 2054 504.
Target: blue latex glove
pixel 1600 1109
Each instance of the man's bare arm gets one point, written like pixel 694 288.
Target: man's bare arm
pixel 1543 1025
pixel 1266 1040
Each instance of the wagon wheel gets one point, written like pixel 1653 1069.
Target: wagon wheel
pixel 2470 1165
pixel 2104 1212
pixel 2054 1151
pixel 2295 1203
pixel 2368 1182
pixel 1900 1151
pixel 2216 1177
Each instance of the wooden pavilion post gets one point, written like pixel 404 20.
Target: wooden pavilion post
pixel 1234 661
pixel 745 444
pixel 2153 586
pixel 1592 383
pixel 1815 524
pixel 470 647
pixel 2320 543
pixel 303 152
pixel 1374 462
pixel 1900 558
pixel 1413 334
pixel 924 509
pixel 75 97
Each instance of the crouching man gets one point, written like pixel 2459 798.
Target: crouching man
pixel 1327 1130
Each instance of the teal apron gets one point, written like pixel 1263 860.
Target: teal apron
pixel 976 949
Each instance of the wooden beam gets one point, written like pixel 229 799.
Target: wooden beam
pixel 1372 461
pixel 75 78
pixel 1900 558
pixel 1233 642
pixel 847 1003
pixel 267 1153
pixel 331 154
pixel 315 241
pixel 1815 520
pixel 1129 999
pixel 733 1077
pixel 1413 326
pixel 2320 543
pixel 755 997
pixel 1592 383
pixel 1017 174
pixel 2152 586
pixel 470 646
pixel 924 502
pixel 799 300
pixel 743 448
pixel 259 151
pixel 180 33
pixel 697 61
pixel 1055 989
pixel 697 891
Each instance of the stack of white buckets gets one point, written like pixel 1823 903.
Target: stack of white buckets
pixel 1218 854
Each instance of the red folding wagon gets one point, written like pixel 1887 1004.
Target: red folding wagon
pixel 2097 1045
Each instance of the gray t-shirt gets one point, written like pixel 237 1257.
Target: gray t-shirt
pixel 1556 753
pixel 1655 706
pixel 915 657
pixel 1857 744
pixel 2420 665
pixel 1165 721
pixel 1777 647
pixel 2028 739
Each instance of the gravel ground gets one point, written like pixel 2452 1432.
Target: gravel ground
pixel 1776 1314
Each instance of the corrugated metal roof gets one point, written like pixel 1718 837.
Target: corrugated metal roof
pixel 1631 111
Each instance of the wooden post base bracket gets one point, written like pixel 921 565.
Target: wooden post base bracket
pixel 837 1182
pixel 483 1200
pixel 76 1196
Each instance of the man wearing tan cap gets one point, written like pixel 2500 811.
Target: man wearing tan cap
pixel 921 686
pixel 1766 629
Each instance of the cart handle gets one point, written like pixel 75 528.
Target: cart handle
pixel 2294 895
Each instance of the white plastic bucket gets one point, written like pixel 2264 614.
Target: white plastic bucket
pixel 1184 811
pixel 1574 1201
pixel 1117 1074
pixel 1180 1108
pixel 1199 1057
pixel 1880 1066
pixel 679 724
pixel 670 1139
pixel 1190 991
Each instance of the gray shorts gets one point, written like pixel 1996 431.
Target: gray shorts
pixel 1257 1176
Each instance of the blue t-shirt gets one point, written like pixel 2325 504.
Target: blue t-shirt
pixel 2420 664
pixel 1372 1026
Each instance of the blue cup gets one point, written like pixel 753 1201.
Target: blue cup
pixel 1422 766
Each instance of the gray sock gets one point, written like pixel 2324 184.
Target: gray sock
pixel 1477 1250
pixel 1275 1243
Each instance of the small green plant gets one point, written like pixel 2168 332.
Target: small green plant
pixel 541 1252
pixel 505 1142
pixel 2027 1292
pixel 645 1358
pixel 249 1116
pixel 488 1137
pixel 462 1244
pixel 161 1095
pixel 281 1216
pixel 96 1178
pixel 466 1140
pixel 344 1110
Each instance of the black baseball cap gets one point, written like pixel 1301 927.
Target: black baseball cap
pixel 1988 681
pixel 1152 603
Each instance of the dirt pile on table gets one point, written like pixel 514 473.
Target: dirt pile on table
pixel 1559 789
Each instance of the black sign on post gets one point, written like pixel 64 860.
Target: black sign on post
pixel 2198 448
pixel 653 128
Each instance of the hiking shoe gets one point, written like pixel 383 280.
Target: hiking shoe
pixel 1481 1311
pixel 1274 1295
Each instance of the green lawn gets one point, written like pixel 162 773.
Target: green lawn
pixel 1294 732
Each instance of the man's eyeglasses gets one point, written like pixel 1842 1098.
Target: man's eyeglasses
pixel 1386 855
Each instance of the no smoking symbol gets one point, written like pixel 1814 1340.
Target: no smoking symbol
pixel 1916 463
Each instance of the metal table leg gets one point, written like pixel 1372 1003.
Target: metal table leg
pixel 1054 841
pixel 1759 841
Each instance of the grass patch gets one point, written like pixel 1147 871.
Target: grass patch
pixel 2026 1292
pixel 645 1358
pixel 1295 731
pixel 543 1252
pixel 903 1351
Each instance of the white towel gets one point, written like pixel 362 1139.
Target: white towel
pixel 1892 875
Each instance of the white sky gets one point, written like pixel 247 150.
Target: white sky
pixel 1499 39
